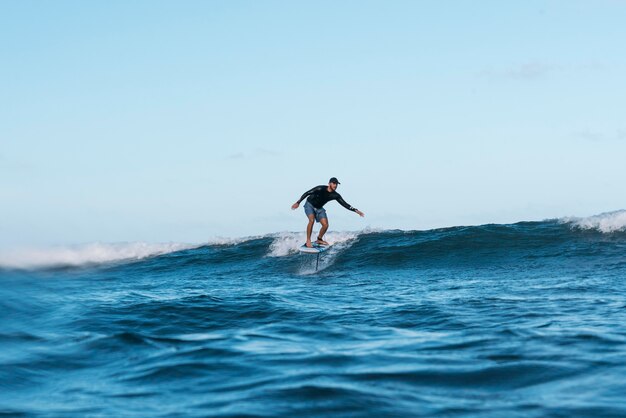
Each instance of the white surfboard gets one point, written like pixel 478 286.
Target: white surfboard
pixel 315 250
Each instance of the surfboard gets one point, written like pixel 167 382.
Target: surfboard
pixel 315 250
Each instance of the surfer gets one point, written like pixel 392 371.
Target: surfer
pixel 314 208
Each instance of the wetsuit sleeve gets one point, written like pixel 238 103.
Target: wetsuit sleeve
pixel 345 204
pixel 307 193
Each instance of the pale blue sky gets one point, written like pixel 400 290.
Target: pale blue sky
pixel 186 120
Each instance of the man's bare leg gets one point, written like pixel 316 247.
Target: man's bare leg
pixel 320 237
pixel 309 230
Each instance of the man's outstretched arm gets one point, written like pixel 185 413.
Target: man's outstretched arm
pixel 304 196
pixel 347 206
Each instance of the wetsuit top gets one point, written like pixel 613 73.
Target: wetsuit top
pixel 319 196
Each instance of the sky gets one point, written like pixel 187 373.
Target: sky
pixel 179 121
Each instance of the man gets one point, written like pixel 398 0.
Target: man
pixel 314 208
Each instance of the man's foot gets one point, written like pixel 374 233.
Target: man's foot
pixel 321 241
pixel 308 244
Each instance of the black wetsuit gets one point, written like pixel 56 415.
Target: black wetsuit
pixel 319 196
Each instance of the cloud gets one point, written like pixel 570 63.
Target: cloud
pixel 256 153
pixel 236 156
pixel 14 165
pixel 526 72
pixel 530 71
pixel 535 70
pixel 266 152
pixel 597 136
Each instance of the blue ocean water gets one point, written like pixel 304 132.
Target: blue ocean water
pixel 520 320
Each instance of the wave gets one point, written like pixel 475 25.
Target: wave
pixel 78 255
pixel 391 245
pixel 607 222
pixel 99 253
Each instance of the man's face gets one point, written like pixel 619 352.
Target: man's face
pixel 333 186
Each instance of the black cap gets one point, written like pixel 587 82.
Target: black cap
pixel 334 180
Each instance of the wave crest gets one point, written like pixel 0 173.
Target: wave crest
pixel 78 255
pixel 288 242
pixel 404 245
pixel 605 222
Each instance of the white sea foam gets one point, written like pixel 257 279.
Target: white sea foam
pixel 287 243
pixel 605 222
pixel 97 252
pixel 230 241
pixel 77 255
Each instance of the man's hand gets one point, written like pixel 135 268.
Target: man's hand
pixel 361 214
pixel 295 206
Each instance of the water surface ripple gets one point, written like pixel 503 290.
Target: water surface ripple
pixel 524 320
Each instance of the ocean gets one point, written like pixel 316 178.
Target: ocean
pixel 516 320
